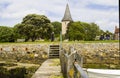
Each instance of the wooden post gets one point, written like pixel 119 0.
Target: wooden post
pixel 81 61
pixel 1 49
pixel 75 70
pixel 26 49
pixel 13 49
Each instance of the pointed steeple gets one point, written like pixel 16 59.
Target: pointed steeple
pixel 67 15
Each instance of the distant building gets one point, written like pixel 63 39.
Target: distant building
pixel 66 20
pixel 117 33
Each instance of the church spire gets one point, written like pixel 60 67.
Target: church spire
pixel 67 15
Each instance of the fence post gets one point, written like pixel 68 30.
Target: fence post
pixel 81 61
pixel 75 70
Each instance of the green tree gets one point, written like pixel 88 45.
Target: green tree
pixel 6 34
pixel 82 31
pixel 57 28
pixel 75 31
pixel 24 31
pixel 35 26
pixel 92 31
pixel 108 32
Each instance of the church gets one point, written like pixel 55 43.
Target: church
pixel 116 33
pixel 66 19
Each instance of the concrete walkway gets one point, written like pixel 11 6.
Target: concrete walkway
pixel 48 68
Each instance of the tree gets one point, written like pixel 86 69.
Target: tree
pixel 6 34
pixel 93 31
pixel 82 31
pixel 25 31
pixel 35 26
pixel 75 31
pixel 57 28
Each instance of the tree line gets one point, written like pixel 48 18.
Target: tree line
pixel 35 27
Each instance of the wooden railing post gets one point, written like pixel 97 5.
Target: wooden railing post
pixel 71 65
pixel 75 70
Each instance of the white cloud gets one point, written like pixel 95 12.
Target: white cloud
pixel 54 10
pixel 105 2
pixel 107 25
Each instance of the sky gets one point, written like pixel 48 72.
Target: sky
pixel 105 13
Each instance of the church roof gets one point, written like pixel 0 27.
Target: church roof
pixel 67 15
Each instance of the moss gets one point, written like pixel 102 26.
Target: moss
pixel 54 76
pixel 30 71
pixel 95 66
pixel 71 72
pixel 4 73
pixel 13 73
pixel 17 72
pixel 56 62
pixel 11 70
pixel 8 64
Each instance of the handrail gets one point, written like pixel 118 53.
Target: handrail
pixel 79 69
pixel 71 64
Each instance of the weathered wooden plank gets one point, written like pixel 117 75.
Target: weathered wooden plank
pixel 80 70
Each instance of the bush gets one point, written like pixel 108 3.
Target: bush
pixel 17 72
pixel 12 73
pixel 7 64
pixel 4 73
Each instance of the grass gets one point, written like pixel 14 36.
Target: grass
pixel 56 62
pixel 54 76
pixel 103 41
pixel 57 42
pixel 101 66
pixel 14 70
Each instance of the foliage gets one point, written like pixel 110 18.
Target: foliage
pixel 75 31
pixel 17 72
pixel 12 73
pixel 3 73
pixel 34 27
pixel 30 71
pixel 91 32
pixel 8 64
pixel 82 31
pixel 57 28
pixel 6 34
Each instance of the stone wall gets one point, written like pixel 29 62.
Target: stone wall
pixel 104 55
pixel 92 52
pixel 24 48
pixel 85 48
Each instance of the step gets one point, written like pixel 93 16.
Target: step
pixel 54 51
pixel 54 45
pixel 53 56
pixel 54 48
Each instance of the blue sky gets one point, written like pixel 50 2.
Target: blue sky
pixel 104 13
